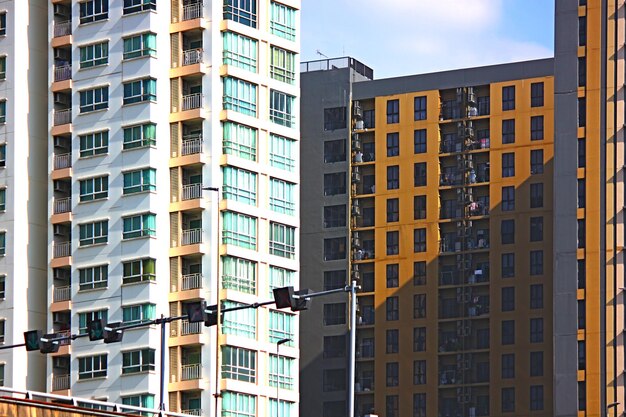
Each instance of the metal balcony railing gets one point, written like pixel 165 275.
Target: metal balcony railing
pixel 191 371
pixel 63 293
pixel 192 56
pixel 62 205
pixel 191 236
pixel 60 382
pixel 62 117
pixel 192 101
pixel 61 250
pixel 192 144
pixel 63 72
pixel 192 11
pixel 63 28
pixel 193 412
pixel 191 282
pixel 192 191
pixel 190 328
pixel 62 161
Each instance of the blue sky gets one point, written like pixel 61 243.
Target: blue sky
pixel 402 37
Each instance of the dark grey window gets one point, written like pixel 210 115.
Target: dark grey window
pixel 335 118
pixel 393 210
pixel 392 405
pixel 536 397
pixel 536 363
pixel 508 332
pixel 335 216
pixel 419 306
pixel 536 94
pixel 393 243
pixel 419 339
pixel 508 265
pixel 392 308
pixel 483 105
pixel 536 128
pixel 508 97
pixel 393 371
pixel 419 240
pixel 335 184
pixel 536 262
pixel 581 152
pixel 581 233
pixel 369 119
pixel 507 231
pixel 334 313
pixel 420 107
pixel 582 71
pixel 334 248
pixel 393 177
pixel 582 396
pixel 419 372
pixel 393 337
pixel 392 274
pixel 419 141
pixel 536 195
pixel 536 330
pixel 508 164
pixel 508 400
pixel 508 365
pixel 508 198
pixel 536 296
pixel 334 409
pixel 582 356
pixel 582 31
pixel 335 151
pixel 582 315
pixel 419 273
pixel 334 279
pixel 334 346
pixel 419 207
pixel 582 112
pixel 420 174
pixel 536 161
pixel 393 144
pixel 508 131
pixel 508 298
pixel 419 405
pixel 581 193
pixel 334 380
pixel 581 274
pixel 536 229
pixel 393 111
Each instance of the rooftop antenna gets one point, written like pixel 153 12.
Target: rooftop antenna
pixel 321 54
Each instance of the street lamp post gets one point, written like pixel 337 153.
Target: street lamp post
pixel 280 342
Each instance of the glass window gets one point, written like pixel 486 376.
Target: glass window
pixel 140 90
pixel 282 240
pixel 536 195
pixel 236 404
pixel 393 371
pixel 419 141
pixel 3 155
pixel 282 196
pixel 282 108
pixel 419 104
pixel 240 51
pixel 508 198
pixel 536 397
pixel 240 140
pixel 138 313
pixel 94 144
pixel 508 332
pixel 581 193
pixel 582 112
pixel 282 154
pixel 283 21
pixel 85 318
pixel 239 185
pixel 93 277
pixel 134 6
pixel 334 313
pixel 536 363
pixel 582 71
pixel 536 296
pixel 3 199
pixel 508 400
pixel 508 164
pixel 393 111
pixel 536 94
pixel 140 45
pixel 334 151
pixel 392 405
pixel 334 279
pixel 92 367
pixel 3 67
pixel 393 177
pixel 139 270
pixel 239 229
pixel 536 128
pixel 143 400
pixel 3 288
pixel 392 275
pixel 335 183
pixel 419 339
pixel 3 24
pixel 536 330
pixel 419 240
pixel 419 405
pixel 508 98
pixel 94 99
pixel 582 315
pixel 141 225
pixel 238 274
pixel 508 365
pixel 419 306
pixel 334 248
pixel 139 136
pixel 536 262
pixel 393 144
pixel 240 322
pixel 94 188
pixel 140 180
pixel 242 11
pixel 393 340
pixel 536 161
pixel 335 216
pixel 334 118
pixel 94 10
pixel 282 326
pixel 536 229
pixel 283 66
pixel 508 298
pixel 419 207
pixel 582 30
pixel 94 233
pixel 136 361
pixel 238 364
pixel 393 243
pixel 392 308
pixel 240 96
pixel 393 210
pixel 581 233
pixel 508 131
pixel 419 372
pixel 507 231
pixel 3 243
pixel 280 278
pixel 95 54
pixel 419 273
pixel 419 174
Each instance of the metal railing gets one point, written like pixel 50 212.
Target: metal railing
pixel 192 191
pixel 192 144
pixel 192 101
pixel 62 117
pixel 192 11
pixel 60 382
pixel 191 236
pixel 192 56
pixel 62 205
pixel 62 333
pixel 63 72
pixel 61 250
pixel 62 161
pixel 190 328
pixel 63 293
pixel 191 371
pixel 191 282
pixel 193 412
pixel 63 28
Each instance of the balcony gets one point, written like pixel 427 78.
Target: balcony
pixel 192 144
pixel 60 382
pixel 63 161
pixel 191 191
pixel 191 282
pixel 62 205
pixel 192 11
pixel 192 56
pixel 63 29
pixel 62 249
pixel 62 73
pixel 192 101
pixel 193 412
pixel 190 328
pixel 62 117
pixel 191 237
pixel 191 371
pixel 62 333
pixel 62 293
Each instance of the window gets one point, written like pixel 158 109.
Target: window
pixel 282 240
pixel 536 229
pixel 536 397
pixel 508 198
pixel 140 45
pixel 94 233
pixel 582 112
pixel 239 185
pixel 419 306
pixel 419 104
pixel 582 315
pixel 139 270
pixel 508 400
pixel 334 118
pixel 136 361
pixel 282 108
pixel 508 332
pixel 334 380
pixel 142 400
pixel 419 339
pixel 393 144
pixel 419 175
pixel 242 11
pixel 139 136
pixel 283 68
pixel 536 262
pixel 536 363
pixel 140 90
pixel 419 273
pixel 282 196
pixel 582 362
pixel 508 98
pixel 507 231
pixel 392 405
pixel 393 111
pixel 134 6
pixel 94 144
pixel 140 180
pixel 138 313
pixel 3 66
pixel 283 21
pixel 240 96
pixel 419 141
pixel 237 274
pixel 334 409
pixel 238 364
pixel 92 367
pixel 93 278
pixel 536 195
pixel 581 193
pixel 419 240
pixel 240 322
pixel 508 365
pixel 95 54
pixel 334 313
pixel 536 95
pixel 392 308
pixel 392 272
pixel 282 326
pixel 2 331
pixel 582 31
pixel 582 396
pixel 335 151
pixel 281 153
pixel 393 371
pixel 3 111
pixel 536 128
pixel 581 233
pixel 419 207
pixel 335 216
pixel 3 288
pixel 536 296
pixel 2 374
pixel 536 330
pixel 581 274
pixel 369 119
pixel 393 209
pixel 508 298
pixel 536 161
pixel 94 10
pixel 3 24
pixel 85 318
pixel 393 243
pixel 393 177
pixel 334 347
pixel 419 372
pixel 239 51
pixel 3 243
pixel 240 140
pixel 140 225
pixel 508 164
pixel 419 405
pixel 239 229
pixel 582 71
pixel 3 199
pixel 508 131
pixel 94 99
pixel 94 188
pixel 3 155
pixel 281 372
pixel 334 248
pixel 392 338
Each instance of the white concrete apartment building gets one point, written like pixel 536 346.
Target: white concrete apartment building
pixel 150 102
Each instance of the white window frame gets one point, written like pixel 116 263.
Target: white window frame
pixel 100 238
pixel 141 360
pixel 95 366
pixel 95 99
pixel 239 364
pixel 99 54
pixel 142 276
pixel 99 188
pixel 93 277
pixel 99 143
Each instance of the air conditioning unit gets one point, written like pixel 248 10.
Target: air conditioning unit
pixel 60 186
pixel 61 54
pixel 60 362
pixel 59 230
pixel 357 111
pixel 62 99
pixel 59 142
pixel 60 273
pixel 61 10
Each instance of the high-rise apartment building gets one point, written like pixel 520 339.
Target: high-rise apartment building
pixel 150 103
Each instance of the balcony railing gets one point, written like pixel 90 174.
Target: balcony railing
pixel 191 282
pixel 62 205
pixel 62 161
pixel 60 382
pixel 193 412
pixel 62 249
pixel 62 333
pixel 63 72
pixel 191 371
pixel 192 101
pixel 192 11
pixel 192 144
pixel 62 117
pixel 191 236
pixel 63 28
pixel 63 293
pixel 192 191
pixel 192 56
pixel 190 328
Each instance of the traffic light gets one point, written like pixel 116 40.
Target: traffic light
pixel 95 328
pixel 284 298
pixel 48 344
pixel 31 339
pixel 200 311
pixel 111 334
